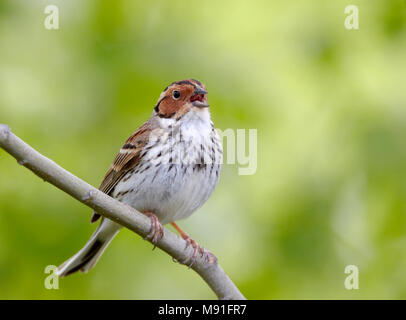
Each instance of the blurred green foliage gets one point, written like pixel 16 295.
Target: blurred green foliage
pixel 328 103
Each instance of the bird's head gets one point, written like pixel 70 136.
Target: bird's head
pixel 181 97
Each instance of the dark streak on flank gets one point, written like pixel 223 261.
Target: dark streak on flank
pixel 156 173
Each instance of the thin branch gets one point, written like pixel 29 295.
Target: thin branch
pixel 121 213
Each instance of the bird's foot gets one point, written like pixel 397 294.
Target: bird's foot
pixel 157 230
pixel 197 249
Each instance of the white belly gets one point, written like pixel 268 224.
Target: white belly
pixel 178 183
pixel 172 194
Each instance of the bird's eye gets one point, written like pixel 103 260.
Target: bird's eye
pixel 176 94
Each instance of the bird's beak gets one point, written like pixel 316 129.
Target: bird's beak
pixel 199 90
pixel 198 99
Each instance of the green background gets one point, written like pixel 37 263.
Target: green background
pixel 328 104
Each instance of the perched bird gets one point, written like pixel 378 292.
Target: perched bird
pixel 166 169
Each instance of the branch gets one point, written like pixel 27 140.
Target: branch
pixel 119 212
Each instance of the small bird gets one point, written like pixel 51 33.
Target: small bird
pixel 166 169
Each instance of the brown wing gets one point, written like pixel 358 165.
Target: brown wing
pixel 128 157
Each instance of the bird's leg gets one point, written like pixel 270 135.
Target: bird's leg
pixel 207 255
pixel 157 231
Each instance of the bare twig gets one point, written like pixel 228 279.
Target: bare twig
pixel 128 217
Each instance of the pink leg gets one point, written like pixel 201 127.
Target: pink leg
pixel 207 255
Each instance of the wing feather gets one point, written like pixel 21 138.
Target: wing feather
pixel 128 158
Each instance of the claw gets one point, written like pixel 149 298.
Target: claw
pixel 189 241
pixel 197 249
pixel 156 232
pixel 205 254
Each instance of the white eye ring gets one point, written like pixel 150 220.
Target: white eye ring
pixel 176 94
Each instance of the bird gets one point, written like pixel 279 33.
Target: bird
pixel 167 169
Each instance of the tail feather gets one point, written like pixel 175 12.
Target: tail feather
pixel 88 256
